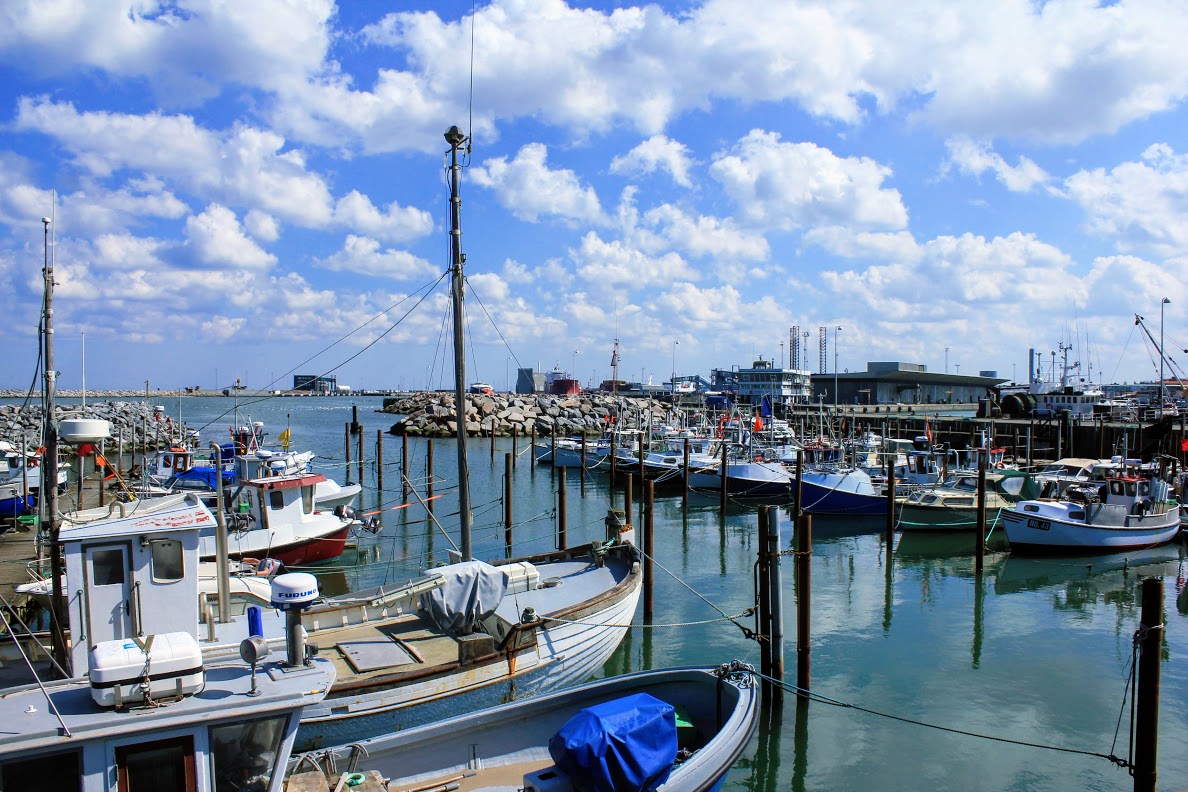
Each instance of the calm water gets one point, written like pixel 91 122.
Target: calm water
pixel 1035 650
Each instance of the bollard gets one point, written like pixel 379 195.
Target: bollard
pixel 649 546
pixel 562 542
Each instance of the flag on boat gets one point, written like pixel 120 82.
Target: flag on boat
pixel 757 426
pixel 765 407
pixel 615 357
pixel 928 430
pixel 283 439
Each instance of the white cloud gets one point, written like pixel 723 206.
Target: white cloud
pixel 703 236
pixel 656 153
pixel 1139 204
pixel 527 188
pixel 261 225
pixel 217 238
pixel 355 212
pixel 843 241
pixel 610 265
pixel 222 328
pixel 796 185
pixel 362 255
pixel 975 158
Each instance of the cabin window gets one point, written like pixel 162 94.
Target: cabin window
pixel 107 567
pixel 276 500
pixel 307 499
pixel 166 461
pixel 1116 488
pixel 1076 515
pixel 1030 507
pixel 160 764
pixel 168 565
pixel 30 775
pixel 244 753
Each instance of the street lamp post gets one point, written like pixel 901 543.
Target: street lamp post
pixel 1165 302
pixel 573 365
pixel 835 399
pixel 946 360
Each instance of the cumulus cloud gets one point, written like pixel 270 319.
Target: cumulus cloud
pixel 528 188
pixel 217 238
pixel 795 185
pixel 656 153
pixel 976 157
pixel 613 264
pixel 355 212
pixel 1140 204
pixel 363 255
pixel 261 225
pixel 704 237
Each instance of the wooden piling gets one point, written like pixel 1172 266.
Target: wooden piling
pixel 891 499
pixel 562 542
pixel 776 603
pixel 507 504
pixel 404 468
pixel 492 442
pixel 1146 734
pixel 360 434
pixel 613 457
pixel 379 459
pixel 515 443
pixel 627 504
pixel 582 477
pixel 804 597
pixel 429 477
pixel 722 476
pixel 553 439
pixel 980 525
pixel 685 477
pixel 347 450
pixel 533 441
pixel 642 468
pixel 764 596
pixel 649 543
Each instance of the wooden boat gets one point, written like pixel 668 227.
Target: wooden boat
pixel 1127 512
pixel 508 747
pixel 953 505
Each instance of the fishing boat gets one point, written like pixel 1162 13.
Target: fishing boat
pixel 145 710
pixel 1128 511
pixel 758 473
pixel 672 729
pixel 840 489
pixel 470 634
pixel 276 517
pixel 953 504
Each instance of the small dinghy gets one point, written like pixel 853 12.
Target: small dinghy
pixel 668 729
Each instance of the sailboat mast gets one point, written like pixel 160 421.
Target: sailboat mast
pixel 456 140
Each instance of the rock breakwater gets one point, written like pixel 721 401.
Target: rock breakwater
pixel 133 422
pixel 433 414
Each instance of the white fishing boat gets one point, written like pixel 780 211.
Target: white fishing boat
pixel 953 504
pixel 276 517
pixel 672 729
pixel 145 709
pixel 1126 512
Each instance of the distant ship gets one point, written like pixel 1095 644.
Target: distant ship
pixel 481 387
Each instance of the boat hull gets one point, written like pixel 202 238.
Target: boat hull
pixel 568 646
pixel 313 550
pixel 1046 533
pixel 843 492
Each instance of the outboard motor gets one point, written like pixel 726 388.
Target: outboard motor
pixel 292 593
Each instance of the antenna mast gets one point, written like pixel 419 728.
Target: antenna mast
pixel 456 140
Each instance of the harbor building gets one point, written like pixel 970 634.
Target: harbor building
pixel 783 387
pixel 312 383
pixel 903 383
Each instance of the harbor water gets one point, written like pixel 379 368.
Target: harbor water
pixel 1034 652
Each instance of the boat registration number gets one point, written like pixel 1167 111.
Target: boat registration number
pixel 1039 525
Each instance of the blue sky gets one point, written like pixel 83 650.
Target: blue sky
pixel 241 185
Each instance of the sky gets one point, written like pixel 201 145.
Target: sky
pixel 255 190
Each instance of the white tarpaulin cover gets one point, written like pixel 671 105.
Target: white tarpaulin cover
pixel 472 591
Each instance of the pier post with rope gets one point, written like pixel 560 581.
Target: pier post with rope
pixel 347 450
pixel 980 525
pixel 379 459
pixel 891 499
pixel 775 582
pixel 507 503
pixel 359 433
pixel 404 468
pixel 562 542
pixel 1150 642
pixel 428 476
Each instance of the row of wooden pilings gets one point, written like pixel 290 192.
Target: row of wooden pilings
pixel 769 630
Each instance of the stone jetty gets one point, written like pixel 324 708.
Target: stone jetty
pixel 433 414
pixel 136 423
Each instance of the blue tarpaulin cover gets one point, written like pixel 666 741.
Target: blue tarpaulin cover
pixel 206 475
pixel 617 746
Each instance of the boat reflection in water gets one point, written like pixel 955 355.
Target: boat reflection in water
pixel 1083 581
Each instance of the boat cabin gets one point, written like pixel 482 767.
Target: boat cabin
pixel 171 463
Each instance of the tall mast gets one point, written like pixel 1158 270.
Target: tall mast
pixel 48 493
pixel 456 140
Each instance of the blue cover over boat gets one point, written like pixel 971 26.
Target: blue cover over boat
pixel 626 744
pixel 206 475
